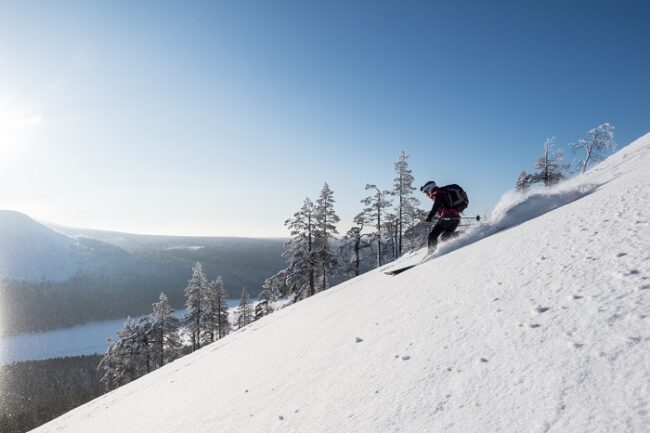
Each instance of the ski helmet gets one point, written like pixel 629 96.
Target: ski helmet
pixel 427 187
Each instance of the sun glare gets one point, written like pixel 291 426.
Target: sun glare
pixel 14 129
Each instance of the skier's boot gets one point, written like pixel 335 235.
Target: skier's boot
pixel 431 248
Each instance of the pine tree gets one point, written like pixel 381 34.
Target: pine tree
pixel 417 229
pixel 277 284
pixel 144 345
pixel 595 144
pixel 524 181
pixel 376 206
pixel 325 228
pixel 549 164
pixel 210 314
pixel 406 202
pixel 122 360
pixel 390 232
pixel 165 332
pixel 301 253
pixel 221 304
pixel 110 365
pixel 127 351
pixel 244 310
pixel 263 306
pixel 353 245
pixel 195 301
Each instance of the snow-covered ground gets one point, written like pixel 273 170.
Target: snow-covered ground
pixel 539 323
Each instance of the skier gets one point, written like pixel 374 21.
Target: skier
pixel 448 202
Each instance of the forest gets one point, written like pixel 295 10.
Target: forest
pixel 34 392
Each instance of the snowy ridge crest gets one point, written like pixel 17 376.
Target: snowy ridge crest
pixel 515 208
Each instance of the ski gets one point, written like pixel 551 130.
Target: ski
pixel 400 270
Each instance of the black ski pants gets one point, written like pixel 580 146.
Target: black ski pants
pixel 444 228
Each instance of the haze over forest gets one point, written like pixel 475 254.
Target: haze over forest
pixel 57 276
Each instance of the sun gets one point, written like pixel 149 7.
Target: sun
pixel 16 126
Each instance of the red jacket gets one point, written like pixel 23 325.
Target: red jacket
pixel 441 207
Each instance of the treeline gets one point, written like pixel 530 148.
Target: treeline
pixel 34 392
pixel 389 224
pixel 550 167
pixel 117 291
pixel 157 338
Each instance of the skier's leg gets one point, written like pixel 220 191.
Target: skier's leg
pixel 432 241
pixel 450 229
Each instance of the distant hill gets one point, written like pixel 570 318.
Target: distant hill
pixel 30 251
pixel 54 276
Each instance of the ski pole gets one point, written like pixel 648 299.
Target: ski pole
pixel 477 218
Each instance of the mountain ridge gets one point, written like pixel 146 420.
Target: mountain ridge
pixel 31 251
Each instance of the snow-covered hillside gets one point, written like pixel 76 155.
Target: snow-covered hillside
pixel 30 251
pixel 540 327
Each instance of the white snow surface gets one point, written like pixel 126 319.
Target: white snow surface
pixel 539 323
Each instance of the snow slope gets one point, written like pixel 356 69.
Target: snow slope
pixel 542 327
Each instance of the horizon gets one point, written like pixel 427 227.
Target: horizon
pixel 217 120
pixel 54 225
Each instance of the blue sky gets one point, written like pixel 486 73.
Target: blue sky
pixel 219 118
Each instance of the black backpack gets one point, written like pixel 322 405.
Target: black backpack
pixel 456 197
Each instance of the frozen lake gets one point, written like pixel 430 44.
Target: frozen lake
pixel 86 339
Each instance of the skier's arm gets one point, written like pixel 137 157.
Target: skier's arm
pixel 437 203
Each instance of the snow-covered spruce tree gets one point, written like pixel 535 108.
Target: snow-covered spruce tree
pixel 167 344
pixel 122 361
pixel 217 324
pixel 277 284
pixel 549 164
pixel 325 225
pixel 137 350
pixel 264 306
pixel 406 203
pixel 353 244
pixel 210 314
pixel 376 206
pixel 244 314
pixel 110 365
pixel 128 351
pixel 223 321
pixel 595 145
pixel 301 253
pixel 144 345
pixel 300 275
pixel 195 301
